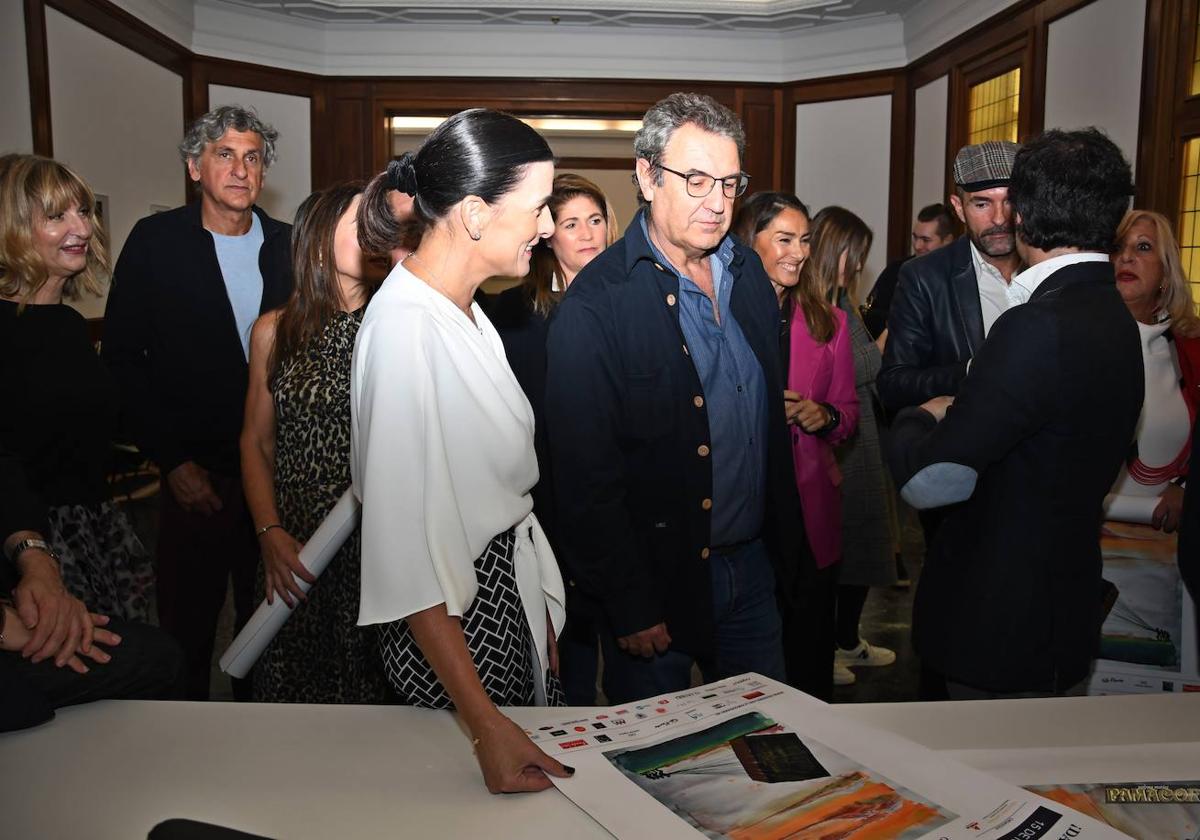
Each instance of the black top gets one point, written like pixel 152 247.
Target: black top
pixel 1010 595
pixel 60 416
pixel 629 439
pixel 878 304
pixel 172 343
pixel 523 331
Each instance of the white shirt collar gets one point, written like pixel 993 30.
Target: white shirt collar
pixel 1027 282
pixel 983 267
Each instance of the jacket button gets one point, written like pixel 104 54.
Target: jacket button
pixel 698 402
pixel 670 300
pixel 702 450
pixel 704 552
pixel 706 504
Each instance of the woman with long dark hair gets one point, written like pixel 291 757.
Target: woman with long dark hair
pixel 822 408
pixel 841 242
pixel 456 569
pixel 584 226
pixel 296 460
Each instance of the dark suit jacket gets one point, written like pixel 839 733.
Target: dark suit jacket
pixel 935 326
pixel 171 341
pixel 626 419
pixel 1009 598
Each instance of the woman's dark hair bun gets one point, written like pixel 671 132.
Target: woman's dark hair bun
pixel 402 175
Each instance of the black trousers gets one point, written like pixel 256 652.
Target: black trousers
pixel 808 634
pixel 197 556
pixel 146 665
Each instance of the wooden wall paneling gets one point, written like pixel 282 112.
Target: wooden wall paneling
pixel 1161 46
pixel 787 143
pixel 854 86
pixel 120 26
pixel 901 171
pixel 1032 117
pixel 38 60
pixel 220 71
pixel 757 109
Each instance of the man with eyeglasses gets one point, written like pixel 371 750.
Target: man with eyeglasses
pixel 667 430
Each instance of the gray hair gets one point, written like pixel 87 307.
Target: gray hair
pixel 680 109
pixel 212 127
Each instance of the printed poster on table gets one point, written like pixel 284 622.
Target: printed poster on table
pixel 749 758
pixel 1148 639
pixel 1142 810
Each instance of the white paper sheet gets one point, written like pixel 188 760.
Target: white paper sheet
pixel 249 645
pixel 1123 508
pixel 750 757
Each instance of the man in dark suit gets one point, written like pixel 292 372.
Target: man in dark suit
pixel 664 405
pixel 1009 603
pixel 945 302
pixel 185 292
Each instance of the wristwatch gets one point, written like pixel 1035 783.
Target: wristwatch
pixel 25 545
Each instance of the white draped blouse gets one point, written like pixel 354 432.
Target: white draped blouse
pixel 442 460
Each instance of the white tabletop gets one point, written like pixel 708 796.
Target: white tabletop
pixel 115 769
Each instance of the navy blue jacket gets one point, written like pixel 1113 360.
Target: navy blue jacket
pixel 629 439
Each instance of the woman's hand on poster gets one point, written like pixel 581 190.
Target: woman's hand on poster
pixel 1169 509
pixel 510 762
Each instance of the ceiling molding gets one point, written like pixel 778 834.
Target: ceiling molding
pixel 256 31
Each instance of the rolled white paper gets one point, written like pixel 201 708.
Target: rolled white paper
pixel 249 645
pixel 1124 508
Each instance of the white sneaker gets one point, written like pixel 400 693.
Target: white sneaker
pixel 864 654
pixel 843 675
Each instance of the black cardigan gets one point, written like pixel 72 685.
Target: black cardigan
pixel 171 341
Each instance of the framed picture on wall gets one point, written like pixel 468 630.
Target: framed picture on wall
pixel 101 213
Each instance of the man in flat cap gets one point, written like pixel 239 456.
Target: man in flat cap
pixel 1009 602
pixel 946 302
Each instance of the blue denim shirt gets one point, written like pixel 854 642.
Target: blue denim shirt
pixel 735 394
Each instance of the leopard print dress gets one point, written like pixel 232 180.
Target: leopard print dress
pixel 320 655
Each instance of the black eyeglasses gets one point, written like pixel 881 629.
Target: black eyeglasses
pixel 700 184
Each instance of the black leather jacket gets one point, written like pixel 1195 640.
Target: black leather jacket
pixel 935 326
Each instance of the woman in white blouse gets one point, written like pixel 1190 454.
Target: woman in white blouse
pixel 1151 280
pixel 454 565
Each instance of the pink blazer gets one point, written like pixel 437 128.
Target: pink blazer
pixel 822 373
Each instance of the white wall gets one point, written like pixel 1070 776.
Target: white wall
pixel 16 126
pixel 1094 70
pixel 117 119
pixel 929 143
pixel 289 180
pixel 843 154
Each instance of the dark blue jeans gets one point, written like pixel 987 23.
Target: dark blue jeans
pixel 748 633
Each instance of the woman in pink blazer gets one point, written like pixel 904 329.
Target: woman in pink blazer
pixel 822 408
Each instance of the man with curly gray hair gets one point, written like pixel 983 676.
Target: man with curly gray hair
pixel 187 288
pixel 664 404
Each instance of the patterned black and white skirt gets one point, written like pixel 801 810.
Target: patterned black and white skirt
pixel 497 635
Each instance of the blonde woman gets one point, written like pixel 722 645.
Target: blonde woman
pixel 1150 280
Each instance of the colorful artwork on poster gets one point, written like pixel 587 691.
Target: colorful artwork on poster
pixel 1143 810
pixel 749 778
pixel 1145 624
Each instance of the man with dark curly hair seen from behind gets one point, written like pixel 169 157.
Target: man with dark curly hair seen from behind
pixel 1009 603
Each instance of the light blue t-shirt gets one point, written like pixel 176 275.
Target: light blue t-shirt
pixel 238 256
